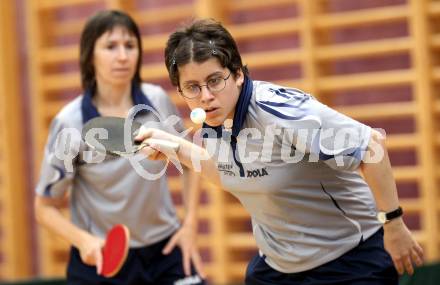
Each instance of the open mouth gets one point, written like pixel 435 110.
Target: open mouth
pixel 210 110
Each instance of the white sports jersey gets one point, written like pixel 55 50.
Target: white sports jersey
pixel 110 192
pixel 292 162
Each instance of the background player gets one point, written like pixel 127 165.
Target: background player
pixel 108 193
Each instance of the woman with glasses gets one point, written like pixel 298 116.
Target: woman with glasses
pixel 107 191
pixel 294 164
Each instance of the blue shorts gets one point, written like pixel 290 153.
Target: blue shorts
pixel 145 265
pixel 366 264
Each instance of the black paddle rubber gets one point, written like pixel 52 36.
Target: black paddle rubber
pixel 106 134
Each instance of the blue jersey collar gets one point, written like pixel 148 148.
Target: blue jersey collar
pixel 89 111
pixel 241 110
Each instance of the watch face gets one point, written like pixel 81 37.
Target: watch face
pixel 381 216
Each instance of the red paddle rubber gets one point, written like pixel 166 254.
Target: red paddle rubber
pixel 115 250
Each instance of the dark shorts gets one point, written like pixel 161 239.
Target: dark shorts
pixel 366 264
pixel 146 265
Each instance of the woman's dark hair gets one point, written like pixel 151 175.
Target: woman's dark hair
pixel 97 25
pixel 198 42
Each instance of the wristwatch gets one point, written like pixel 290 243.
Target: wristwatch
pixel 384 217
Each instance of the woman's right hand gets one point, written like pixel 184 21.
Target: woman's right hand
pixel 154 151
pixel 90 251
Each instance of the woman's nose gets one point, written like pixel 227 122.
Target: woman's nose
pixel 205 94
pixel 122 53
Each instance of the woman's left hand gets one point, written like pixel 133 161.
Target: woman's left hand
pixel 401 245
pixel 185 238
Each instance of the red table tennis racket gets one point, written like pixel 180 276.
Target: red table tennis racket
pixel 115 250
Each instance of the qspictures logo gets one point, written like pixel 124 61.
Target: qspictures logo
pixel 342 148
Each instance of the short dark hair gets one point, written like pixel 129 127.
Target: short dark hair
pixel 97 25
pixel 198 42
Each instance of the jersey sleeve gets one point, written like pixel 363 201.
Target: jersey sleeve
pixel 316 129
pixel 59 162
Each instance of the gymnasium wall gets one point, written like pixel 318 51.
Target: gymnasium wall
pixel 374 60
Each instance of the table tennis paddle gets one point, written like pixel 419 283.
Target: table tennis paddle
pixel 114 143
pixel 115 250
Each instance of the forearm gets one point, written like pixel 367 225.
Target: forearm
pixel 52 219
pixel 398 241
pixel 379 177
pixel 197 159
pixel 189 154
pixel 191 192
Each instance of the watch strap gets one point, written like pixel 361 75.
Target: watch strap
pixel 394 214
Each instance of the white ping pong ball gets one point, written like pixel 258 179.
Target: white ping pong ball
pixel 198 115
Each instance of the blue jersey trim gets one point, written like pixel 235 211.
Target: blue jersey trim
pixel 333 200
pixel 241 111
pixel 49 186
pixel 288 93
pixel 235 155
pixel 356 154
pixel 206 128
pixel 278 114
pixel 242 107
pixel 281 104
pixel 89 111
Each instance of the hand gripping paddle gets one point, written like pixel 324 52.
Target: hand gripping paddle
pixel 106 134
pixel 115 250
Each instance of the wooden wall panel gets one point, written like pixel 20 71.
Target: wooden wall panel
pixel 373 60
pixel 14 225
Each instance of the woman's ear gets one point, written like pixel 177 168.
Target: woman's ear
pixel 239 78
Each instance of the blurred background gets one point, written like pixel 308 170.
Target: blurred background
pixel 377 61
